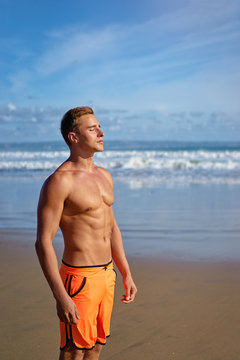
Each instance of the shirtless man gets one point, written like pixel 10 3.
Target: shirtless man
pixel 78 197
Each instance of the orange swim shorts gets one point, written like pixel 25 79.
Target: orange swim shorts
pixel 92 290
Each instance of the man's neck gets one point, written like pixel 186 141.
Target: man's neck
pixel 82 160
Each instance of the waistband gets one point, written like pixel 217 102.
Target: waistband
pixel 85 270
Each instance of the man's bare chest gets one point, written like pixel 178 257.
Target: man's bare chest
pixel 88 195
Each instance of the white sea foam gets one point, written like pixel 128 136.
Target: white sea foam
pixel 28 165
pixel 32 155
pixel 199 166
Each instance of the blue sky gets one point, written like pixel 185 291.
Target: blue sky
pixel 162 70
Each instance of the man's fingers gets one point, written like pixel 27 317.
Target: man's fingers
pixel 76 313
pixel 67 318
pixel 130 295
pixel 72 319
pixel 125 300
pixel 69 314
pixel 133 293
pixel 127 297
pixel 64 317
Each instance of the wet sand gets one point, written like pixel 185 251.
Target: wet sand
pixel 183 310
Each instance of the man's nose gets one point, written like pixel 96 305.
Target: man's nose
pixel 100 132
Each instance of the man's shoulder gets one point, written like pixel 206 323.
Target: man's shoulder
pixel 57 180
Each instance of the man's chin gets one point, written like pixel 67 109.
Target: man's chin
pixel 100 149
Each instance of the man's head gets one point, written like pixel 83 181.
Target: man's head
pixel 72 119
pixel 81 130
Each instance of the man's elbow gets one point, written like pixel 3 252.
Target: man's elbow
pixel 38 246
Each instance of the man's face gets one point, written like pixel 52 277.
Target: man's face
pixel 90 134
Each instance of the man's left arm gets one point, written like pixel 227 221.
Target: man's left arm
pixel 119 257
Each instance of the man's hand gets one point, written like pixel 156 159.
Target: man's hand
pixel 67 311
pixel 130 288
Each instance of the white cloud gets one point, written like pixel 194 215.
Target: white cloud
pixel 199 25
pixel 186 59
pixel 11 107
pixel 38 124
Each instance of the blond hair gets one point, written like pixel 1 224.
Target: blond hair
pixel 70 120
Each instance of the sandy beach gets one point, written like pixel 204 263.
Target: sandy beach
pixel 183 310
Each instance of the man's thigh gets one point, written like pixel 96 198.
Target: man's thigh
pixel 71 353
pixel 94 353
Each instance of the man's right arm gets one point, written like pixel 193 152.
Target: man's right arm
pixel 50 207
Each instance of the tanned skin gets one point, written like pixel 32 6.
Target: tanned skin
pixel 78 198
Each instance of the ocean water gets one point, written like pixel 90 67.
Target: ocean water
pixel 137 163
pixel 172 199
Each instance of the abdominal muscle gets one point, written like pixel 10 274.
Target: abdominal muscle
pixel 87 237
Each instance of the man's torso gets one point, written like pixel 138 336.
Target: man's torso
pixel 86 221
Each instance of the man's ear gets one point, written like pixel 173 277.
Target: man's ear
pixel 72 136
